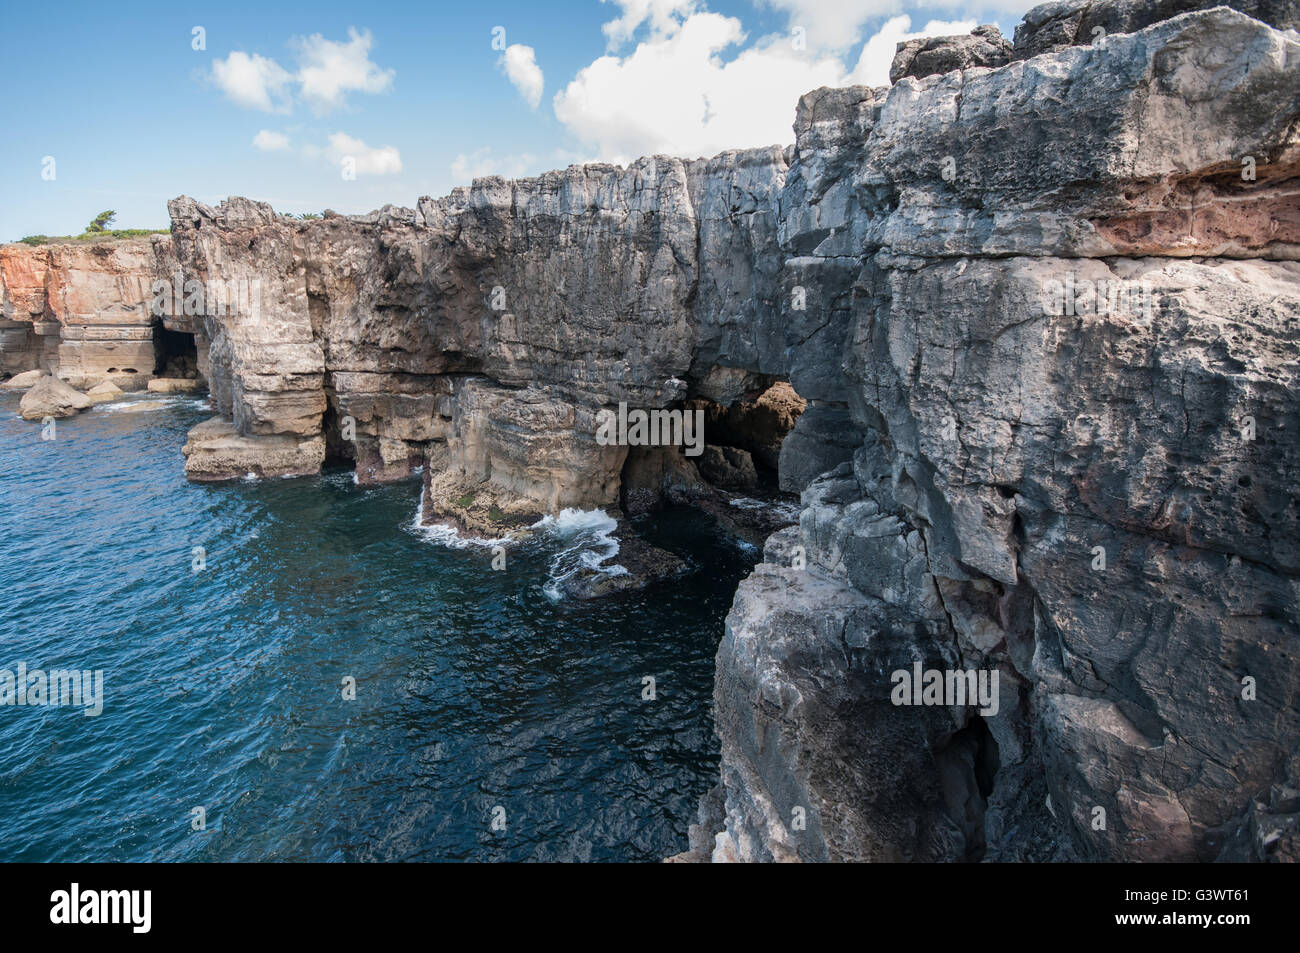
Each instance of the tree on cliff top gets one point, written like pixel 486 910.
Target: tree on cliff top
pixel 101 221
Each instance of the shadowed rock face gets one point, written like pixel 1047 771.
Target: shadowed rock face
pixel 1045 319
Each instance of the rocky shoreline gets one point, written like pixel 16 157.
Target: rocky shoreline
pixel 1022 330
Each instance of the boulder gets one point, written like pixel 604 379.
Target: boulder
pixel 728 467
pixel 22 381
pixel 50 397
pixel 104 392
pixel 985 46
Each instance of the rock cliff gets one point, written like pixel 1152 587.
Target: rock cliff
pixel 80 310
pixel 1072 358
pixel 1024 337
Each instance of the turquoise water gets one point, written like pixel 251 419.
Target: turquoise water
pixel 224 687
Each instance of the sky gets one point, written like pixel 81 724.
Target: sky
pixel 352 105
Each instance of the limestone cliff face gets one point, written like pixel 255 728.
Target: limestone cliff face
pixel 482 332
pixel 80 310
pixel 1091 497
pixel 1046 320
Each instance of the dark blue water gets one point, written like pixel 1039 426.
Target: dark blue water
pixel 223 688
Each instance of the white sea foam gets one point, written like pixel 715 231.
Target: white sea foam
pixel 448 536
pixel 585 539
pixel 588 543
pixel 145 404
pixel 783 509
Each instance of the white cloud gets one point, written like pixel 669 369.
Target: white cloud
pixel 380 160
pixel 252 81
pixel 837 24
pixel 833 24
pixel 521 68
pixel 662 15
pixel 676 95
pixel 269 141
pixel 676 92
pixel 327 70
pixel 469 166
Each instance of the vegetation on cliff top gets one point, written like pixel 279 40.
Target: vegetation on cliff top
pixel 97 230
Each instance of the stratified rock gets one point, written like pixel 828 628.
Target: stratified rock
pixel 81 308
pixel 512 456
pixel 1053 26
pixel 1042 157
pixel 215 450
pixel 264 363
pixel 174 385
pixel 1065 478
pixel 50 397
pixel 1045 318
pixel 985 46
pixel 104 392
pixel 22 381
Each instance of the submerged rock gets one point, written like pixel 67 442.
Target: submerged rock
pixel 638 564
pixel 81 309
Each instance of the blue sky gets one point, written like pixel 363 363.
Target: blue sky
pixel 414 97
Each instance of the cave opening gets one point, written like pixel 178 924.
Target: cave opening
pixel 743 438
pixel 733 475
pixel 176 353
pixel 968 768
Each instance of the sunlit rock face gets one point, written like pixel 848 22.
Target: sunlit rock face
pixel 81 311
pixel 482 332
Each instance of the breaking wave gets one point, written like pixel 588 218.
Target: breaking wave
pixel 444 535
pixel 145 404
pixel 587 543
